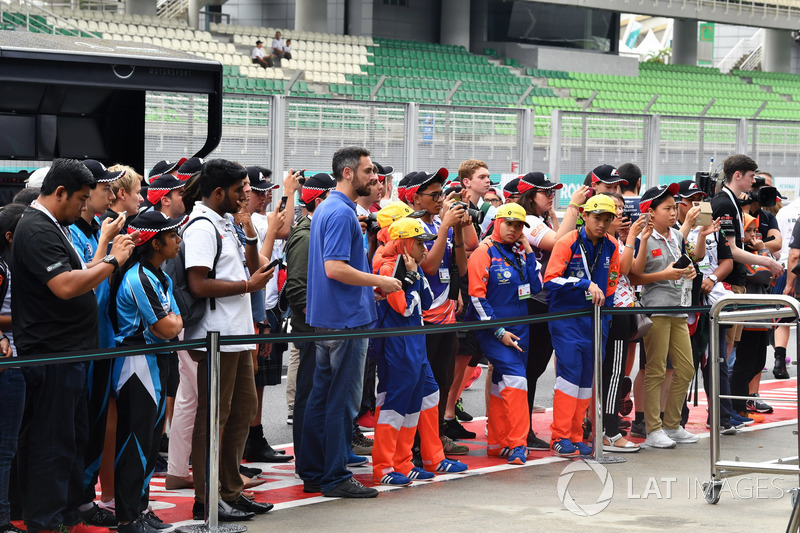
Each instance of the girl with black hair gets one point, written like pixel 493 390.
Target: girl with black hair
pixel 12 382
pixel 145 311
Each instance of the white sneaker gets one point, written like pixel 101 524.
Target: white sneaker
pixel 658 439
pixel 681 435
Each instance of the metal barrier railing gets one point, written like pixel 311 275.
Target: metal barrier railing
pixel 785 307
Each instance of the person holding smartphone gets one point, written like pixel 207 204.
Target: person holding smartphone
pixel 661 266
pixel 503 275
pixel 583 272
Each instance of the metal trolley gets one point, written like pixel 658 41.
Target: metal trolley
pixel 779 307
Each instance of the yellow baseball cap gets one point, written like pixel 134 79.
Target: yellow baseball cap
pixel 409 228
pixel 512 212
pixel 395 211
pixel 600 203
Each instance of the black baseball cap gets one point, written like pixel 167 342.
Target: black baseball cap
pixel 607 174
pixel 161 186
pixel 259 182
pixel 688 188
pixel 656 192
pixel 315 186
pixel 382 171
pixel 511 188
pixel 100 172
pixel 189 167
pixel 164 167
pixel 536 180
pixel 419 179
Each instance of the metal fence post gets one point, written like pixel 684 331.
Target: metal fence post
pixel 741 136
pixel 411 128
pixel 212 456
pixel 525 134
pixel 277 132
pixel 597 426
pixel 555 145
pixel 654 149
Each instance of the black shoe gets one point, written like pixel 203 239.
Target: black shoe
pixel 134 527
pixel 225 513
pixel 416 457
pixel 461 414
pixel 454 430
pixel 780 371
pixel 258 450
pixel 161 467
pixel 587 428
pixel 97 516
pixel 350 488
pixel 249 472
pixel 154 521
pixel 11 528
pixel 252 506
pixel 535 443
pixel 311 487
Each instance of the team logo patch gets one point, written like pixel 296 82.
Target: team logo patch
pixel 507 274
pixel 656 252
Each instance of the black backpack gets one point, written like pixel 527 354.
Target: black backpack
pixel 192 308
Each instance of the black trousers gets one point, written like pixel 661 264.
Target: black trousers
pixel 614 370
pixel 140 422
pixel 442 348
pixel 52 441
pixel 751 355
pixel 99 386
pixel 540 350
pixel 368 399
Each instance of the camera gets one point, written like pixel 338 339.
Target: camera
pixel 475 215
pixel 301 177
pixel 372 223
pixel 707 182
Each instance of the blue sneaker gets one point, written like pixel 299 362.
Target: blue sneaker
pixel 356 460
pixel 420 474
pixel 564 448
pixel 395 479
pixel 451 467
pixel 518 456
pixel 740 421
pixel 583 448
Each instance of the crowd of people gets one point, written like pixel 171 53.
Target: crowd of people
pixel 94 265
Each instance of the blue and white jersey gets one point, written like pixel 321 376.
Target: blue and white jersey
pixel 144 297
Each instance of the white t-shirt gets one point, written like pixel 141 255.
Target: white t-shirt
pixel 279 44
pixel 537 231
pixel 257 53
pixel 271 290
pixel 233 314
pixel 787 217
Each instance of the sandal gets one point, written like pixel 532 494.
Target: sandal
pixel 619 444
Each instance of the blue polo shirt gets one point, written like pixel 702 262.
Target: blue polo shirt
pixel 144 297
pixel 336 236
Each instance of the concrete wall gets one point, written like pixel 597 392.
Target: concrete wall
pixel 417 21
pixel 141 7
pixel 564 59
pixel 359 17
pixel 268 13
pixel 726 37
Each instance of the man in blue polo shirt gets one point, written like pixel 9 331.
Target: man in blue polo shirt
pixel 339 297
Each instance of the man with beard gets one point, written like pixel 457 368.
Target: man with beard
pixel 338 272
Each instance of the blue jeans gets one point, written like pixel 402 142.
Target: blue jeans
pixel 12 400
pixel 332 405
pixel 725 406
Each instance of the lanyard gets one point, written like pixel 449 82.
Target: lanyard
pixel 736 206
pixel 516 265
pixel 584 253
pixel 675 254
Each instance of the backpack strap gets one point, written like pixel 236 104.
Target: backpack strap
pixel 212 274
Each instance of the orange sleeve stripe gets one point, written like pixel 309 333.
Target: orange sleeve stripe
pixel 397 300
pixel 560 256
pixel 613 267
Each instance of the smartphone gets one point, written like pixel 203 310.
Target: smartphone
pixel 683 262
pixel 124 214
pixel 284 199
pixel 274 263
pixel 646 218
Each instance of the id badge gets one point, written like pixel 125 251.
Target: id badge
pixel 444 275
pixel 588 296
pixel 705 268
pixel 524 291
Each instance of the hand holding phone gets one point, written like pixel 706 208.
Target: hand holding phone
pixel 274 263
pixel 683 262
pixel 282 206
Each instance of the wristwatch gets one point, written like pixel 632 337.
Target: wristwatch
pixel 713 278
pixel 111 260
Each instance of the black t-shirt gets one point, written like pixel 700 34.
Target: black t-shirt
pixel 730 215
pixel 43 322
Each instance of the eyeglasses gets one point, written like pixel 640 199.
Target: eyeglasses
pixel 435 196
pixel 550 193
pixel 514 197
pixel 495 201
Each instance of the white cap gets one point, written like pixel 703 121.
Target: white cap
pixel 37 177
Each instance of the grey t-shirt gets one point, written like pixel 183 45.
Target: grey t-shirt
pixel 663 251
